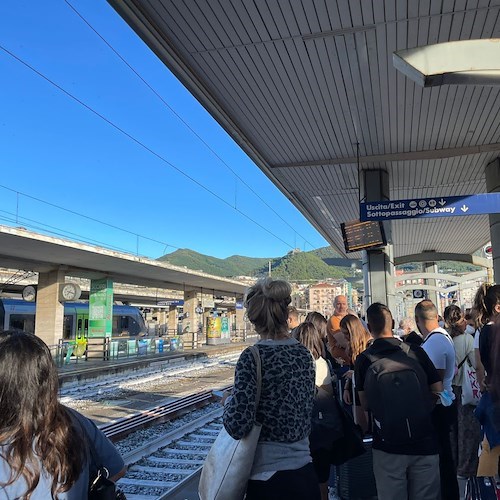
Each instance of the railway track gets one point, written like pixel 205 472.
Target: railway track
pixel 160 468
pixel 159 414
pixel 162 465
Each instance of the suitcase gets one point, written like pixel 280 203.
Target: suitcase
pixel 482 488
pixel 355 478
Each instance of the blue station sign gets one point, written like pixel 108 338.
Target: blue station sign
pixel 449 206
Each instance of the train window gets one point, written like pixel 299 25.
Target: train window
pixel 2 316
pixel 24 322
pixel 67 326
pixel 79 328
pixel 133 327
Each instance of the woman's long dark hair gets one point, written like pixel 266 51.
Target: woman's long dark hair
pixel 319 321
pixel 308 335
pixel 454 319
pixel 487 297
pixel 34 427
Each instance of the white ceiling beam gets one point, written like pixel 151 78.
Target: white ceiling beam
pixel 429 154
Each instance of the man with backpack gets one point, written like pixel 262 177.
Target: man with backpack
pixel 439 347
pixel 395 382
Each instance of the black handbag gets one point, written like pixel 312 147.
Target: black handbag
pixel 100 486
pixel 350 445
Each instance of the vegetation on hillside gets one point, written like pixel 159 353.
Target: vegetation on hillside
pixel 236 265
pixel 295 266
pixel 303 266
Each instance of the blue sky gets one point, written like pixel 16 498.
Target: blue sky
pixel 54 149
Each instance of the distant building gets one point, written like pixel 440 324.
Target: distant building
pixel 320 296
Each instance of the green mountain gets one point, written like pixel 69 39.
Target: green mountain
pixel 236 265
pixel 304 266
pixel 293 266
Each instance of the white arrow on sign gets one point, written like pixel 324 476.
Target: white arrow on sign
pixel 464 208
pixel 442 202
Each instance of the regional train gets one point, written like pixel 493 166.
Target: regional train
pixel 20 315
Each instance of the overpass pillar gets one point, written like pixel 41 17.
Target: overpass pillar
pixel 240 322
pixel 172 320
pixel 49 310
pixel 378 265
pixel 492 174
pixel 189 322
pixel 433 295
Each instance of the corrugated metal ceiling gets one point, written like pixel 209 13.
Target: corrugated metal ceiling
pixel 303 81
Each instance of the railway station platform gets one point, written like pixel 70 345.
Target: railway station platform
pixel 99 368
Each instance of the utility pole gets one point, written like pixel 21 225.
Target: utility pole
pixel 269 267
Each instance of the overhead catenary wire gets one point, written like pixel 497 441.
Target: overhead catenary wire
pixel 84 216
pixel 139 143
pixel 181 119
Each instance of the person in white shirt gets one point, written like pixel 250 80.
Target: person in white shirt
pixel 439 347
pixel 466 435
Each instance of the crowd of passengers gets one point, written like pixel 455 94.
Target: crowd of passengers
pixel 403 387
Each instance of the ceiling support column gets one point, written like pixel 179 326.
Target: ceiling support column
pixel 378 266
pixel 433 295
pixel 49 310
pixel 492 173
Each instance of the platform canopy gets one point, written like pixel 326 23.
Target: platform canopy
pixel 299 84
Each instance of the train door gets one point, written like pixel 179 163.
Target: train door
pixel 82 325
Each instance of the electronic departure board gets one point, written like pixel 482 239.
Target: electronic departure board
pixel 362 235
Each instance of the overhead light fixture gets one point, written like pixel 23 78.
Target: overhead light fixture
pixel 466 62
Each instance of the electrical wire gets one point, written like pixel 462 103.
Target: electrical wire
pixel 88 217
pixel 181 119
pixel 139 143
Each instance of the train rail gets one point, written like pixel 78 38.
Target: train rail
pixel 159 414
pixel 161 468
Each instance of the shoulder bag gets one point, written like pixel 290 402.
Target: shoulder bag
pixel 471 392
pixel 100 486
pixel 228 465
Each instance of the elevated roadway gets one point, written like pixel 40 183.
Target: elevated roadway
pixel 55 258
pixel 22 249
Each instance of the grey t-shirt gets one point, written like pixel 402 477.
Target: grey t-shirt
pixel 106 452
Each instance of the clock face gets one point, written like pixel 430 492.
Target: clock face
pixel 29 293
pixel 70 291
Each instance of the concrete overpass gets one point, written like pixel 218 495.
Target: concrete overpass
pixel 55 258
pixel 311 94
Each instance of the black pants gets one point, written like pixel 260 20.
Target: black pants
pixel 443 417
pixel 300 484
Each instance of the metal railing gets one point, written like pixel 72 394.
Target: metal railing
pixel 115 348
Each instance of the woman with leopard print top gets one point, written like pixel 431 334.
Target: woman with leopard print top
pixel 282 466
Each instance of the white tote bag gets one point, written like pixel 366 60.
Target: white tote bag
pixel 229 462
pixel 471 392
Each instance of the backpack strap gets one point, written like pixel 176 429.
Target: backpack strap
pixel 375 357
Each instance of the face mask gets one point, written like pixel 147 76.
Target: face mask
pixel 470 329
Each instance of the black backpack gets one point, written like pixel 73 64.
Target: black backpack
pixel 398 395
pixel 326 422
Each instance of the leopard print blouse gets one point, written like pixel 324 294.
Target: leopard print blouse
pixel 288 388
